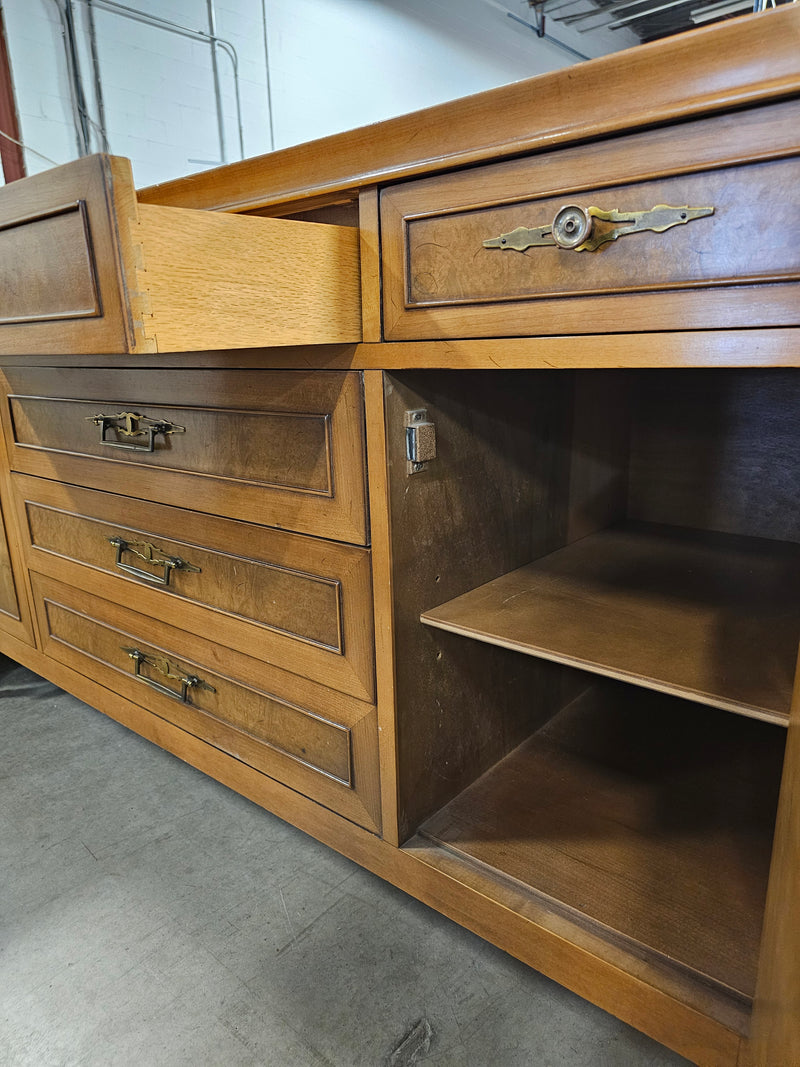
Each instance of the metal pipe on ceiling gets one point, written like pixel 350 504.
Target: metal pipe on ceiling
pixel 648 11
pixel 212 30
pixel 570 20
pixel 267 69
pixel 100 125
pixel 77 96
pixel 538 30
pixel 144 17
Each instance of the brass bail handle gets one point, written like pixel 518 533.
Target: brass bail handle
pixel 574 229
pixel 163 666
pixel 130 424
pixel 151 555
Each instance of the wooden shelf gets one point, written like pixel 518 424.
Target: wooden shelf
pixel 710 617
pixel 646 820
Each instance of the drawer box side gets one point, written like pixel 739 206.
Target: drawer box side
pixel 217 280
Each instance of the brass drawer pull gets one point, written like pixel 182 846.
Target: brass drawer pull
pixel 131 424
pixel 574 227
pixel 150 554
pixel 162 664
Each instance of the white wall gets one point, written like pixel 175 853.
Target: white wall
pixel 333 65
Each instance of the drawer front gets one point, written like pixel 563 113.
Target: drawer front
pixel 60 266
pixel 300 603
pixel 440 279
pixel 280 448
pixel 323 748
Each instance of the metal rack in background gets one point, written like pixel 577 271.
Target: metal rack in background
pixel 648 19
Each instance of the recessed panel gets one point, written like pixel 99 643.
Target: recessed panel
pixel 47 268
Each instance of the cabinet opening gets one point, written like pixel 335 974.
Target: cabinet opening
pixel 677 567
pixel 643 822
pixel 635 534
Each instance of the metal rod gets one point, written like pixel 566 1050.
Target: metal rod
pixel 546 37
pixel 212 27
pixel 617 23
pixel 550 8
pixel 146 18
pixel 232 54
pixel 715 11
pixel 569 20
pixel 73 74
pixel 269 82
pixel 98 86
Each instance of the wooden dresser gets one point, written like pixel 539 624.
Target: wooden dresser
pixel 436 487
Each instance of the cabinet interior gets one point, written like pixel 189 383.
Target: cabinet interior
pixel 606 564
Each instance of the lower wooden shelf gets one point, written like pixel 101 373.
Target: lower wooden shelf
pixel 645 821
pixel 707 616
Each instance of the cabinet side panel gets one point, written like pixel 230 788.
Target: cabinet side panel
pixel 214 280
pixel 776 1017
pixel 495 497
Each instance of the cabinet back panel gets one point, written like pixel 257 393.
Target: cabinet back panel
pixel 717 450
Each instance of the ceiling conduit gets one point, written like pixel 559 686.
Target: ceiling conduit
pixel 83 120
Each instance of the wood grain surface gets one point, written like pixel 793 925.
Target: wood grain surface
pixel 61 263
pixel 303 603
pixel 650 817
pixel 383 599
pixel 301 283
pixel 494 497
pixel 717 451
pixel 680 348
pixel 8 593
pixel 311 739
pixel 279 448
pixel 16 613
pixel 439 280
pixel 711 617
pixel 776 1031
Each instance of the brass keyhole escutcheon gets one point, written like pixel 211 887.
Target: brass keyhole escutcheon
pixel 573 227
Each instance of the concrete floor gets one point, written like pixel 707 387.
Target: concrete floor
pixel 149 916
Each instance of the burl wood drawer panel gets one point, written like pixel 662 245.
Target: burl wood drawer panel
pixel 85 268
pixel 735 265
pixel 281 448
pixel 320 743
pixel 301 603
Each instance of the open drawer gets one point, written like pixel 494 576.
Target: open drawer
pixel 85 268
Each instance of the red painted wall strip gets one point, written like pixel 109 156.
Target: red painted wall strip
pixel 10 153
